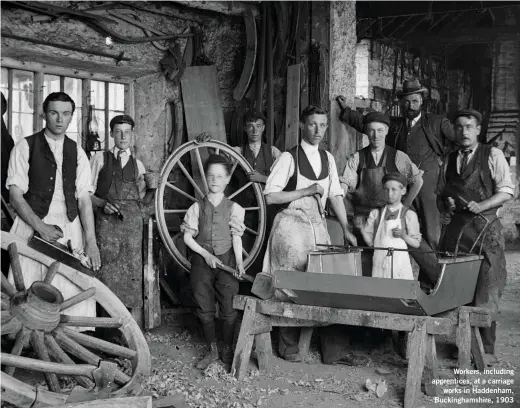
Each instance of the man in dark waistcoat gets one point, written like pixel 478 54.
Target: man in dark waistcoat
pixel 426 139
pixel 476 180
pixel 363 175
pixel 49 185
pixel 120 192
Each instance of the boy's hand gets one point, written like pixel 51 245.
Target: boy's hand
pixel 445 218
pixel 349 237
pixel 110 208
pixel 240 271
pixel 212 260
pixel 256 177
pixel 398 233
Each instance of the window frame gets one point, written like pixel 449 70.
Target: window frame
pixel 39 70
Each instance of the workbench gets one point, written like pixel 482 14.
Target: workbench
pixel 260 316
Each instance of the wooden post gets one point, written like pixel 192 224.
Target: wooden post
pixel 244 342
pixel 38 101
pixel 431 369
pixel 464 340
pixel 292 109
pixel 152 306
pixel 264 350
pixel 415 364
pixel 477 349
pixel 305 341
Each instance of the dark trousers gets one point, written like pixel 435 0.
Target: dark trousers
pixel 214 285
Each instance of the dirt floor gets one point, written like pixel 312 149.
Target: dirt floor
pixel 175 350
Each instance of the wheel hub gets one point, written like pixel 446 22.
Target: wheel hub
pixel 39 307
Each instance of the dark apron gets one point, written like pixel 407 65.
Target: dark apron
pixel 120 243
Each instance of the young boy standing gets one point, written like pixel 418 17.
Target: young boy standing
pixel 208 234
pixel 392 226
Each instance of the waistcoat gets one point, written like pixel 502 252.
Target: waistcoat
pixel 261 163
pixel 214 230
pixel 42 173
pixel 112 172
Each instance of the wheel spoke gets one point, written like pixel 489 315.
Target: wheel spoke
pixel 16 267
pixel 178 190
pixel 83 321
pixel 41 351
pixel 11 326
pixel 251 231
pixel 46 366
pixel 177 236
pixel 98 344
pixel 51 272
pixel 21 338
pixel 82 353
pixel 175 211
pixel 252 208
pixel 57 352
pixel 188 176
pixel 233 168
pixel 240 190
pixel 201 170
pixel 217 151
pixel 7 287
pixel 80 297
pixel 6 301
pixel 244 252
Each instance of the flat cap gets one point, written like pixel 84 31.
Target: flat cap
pixel 376 117
pixel 397 177
pixel 119 119
pixel 470 112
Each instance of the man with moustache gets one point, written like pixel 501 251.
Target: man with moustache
pixel 426 139
pixel 476 180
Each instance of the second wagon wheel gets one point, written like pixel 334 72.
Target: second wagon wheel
pixel 35 316
pixel 178 190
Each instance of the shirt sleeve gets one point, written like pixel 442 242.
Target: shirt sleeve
pixel 500 172
pixel 370 224
pixel 407 168
pixel 335 189
pixel 281 172
pixel 190 223
pixel 350 176
pixel 18 168
pixel 238 213
pixel 412 225
pixel 96 164
pixel 83 175
pixel 275 153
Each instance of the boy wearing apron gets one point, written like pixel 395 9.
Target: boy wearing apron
pixel 392 226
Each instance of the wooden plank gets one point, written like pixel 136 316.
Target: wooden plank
pixel 415 364
pixel 237 8
pixel 170 401
pixel 264 351
pixel 305 341
pixel 292 109
pixel 431 368
pixel 477 349
pixel 151 312
pixel 169 291
pixel 125 402
pixel 85 92
pixel 303 43
pixel 464 340
pixel 244 342
pixel 38 101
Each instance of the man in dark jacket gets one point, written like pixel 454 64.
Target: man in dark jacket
pixel 426 139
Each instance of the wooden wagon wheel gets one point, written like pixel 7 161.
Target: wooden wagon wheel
pixel 198 182
pixel 35 316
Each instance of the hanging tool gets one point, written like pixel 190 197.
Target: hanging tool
pixel 261 61
pixel 249 65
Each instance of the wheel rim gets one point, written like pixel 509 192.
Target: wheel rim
pixel 195 149
pixel 36 316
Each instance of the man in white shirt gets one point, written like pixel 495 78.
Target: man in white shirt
pixel 300 180
pixel 49 186
pixel 120 192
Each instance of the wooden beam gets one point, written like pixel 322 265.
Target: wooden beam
pixel 38 101
pixel 467 36
pixel 235 8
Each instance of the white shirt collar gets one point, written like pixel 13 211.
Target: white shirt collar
pixel 461 151
pixel 50 140
pixel 215 198
pixel 414 120
pixel 308 148
pixel 117 149
pixel 255 145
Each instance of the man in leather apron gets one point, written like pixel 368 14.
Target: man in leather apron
pixel 364 172
pixel 120 192
pixel 476 180
pixel 426 139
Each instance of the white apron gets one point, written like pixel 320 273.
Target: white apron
pixel 382 264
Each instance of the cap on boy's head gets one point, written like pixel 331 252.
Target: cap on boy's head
pixel 395 176
pixel 120 119
pixel 470 112
pixel 376 117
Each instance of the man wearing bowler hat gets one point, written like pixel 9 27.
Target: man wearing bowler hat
pixel 121 190
pixel 363 175
pixel 426 139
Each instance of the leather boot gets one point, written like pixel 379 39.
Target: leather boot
pixel 227 355
pixel 210 357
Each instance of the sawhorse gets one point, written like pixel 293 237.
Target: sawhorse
pixel 260 316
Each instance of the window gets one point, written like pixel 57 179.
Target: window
pixel 104 99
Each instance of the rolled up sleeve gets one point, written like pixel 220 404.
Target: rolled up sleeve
pixel 412 225
pixel 96 164
pixel 238 213
pixel 335 188
pixel 350 176
pixel 500 172
pixel 190 223
pixel 18 168
pixel 281 172
pixel 407 168
pixel 370 224
pixel 83 175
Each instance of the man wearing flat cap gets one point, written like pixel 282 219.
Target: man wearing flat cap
pixel 363 175
pixel 475 181
pixel 120 193
pixel 426 139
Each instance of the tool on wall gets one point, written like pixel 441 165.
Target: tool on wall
pixel 249 64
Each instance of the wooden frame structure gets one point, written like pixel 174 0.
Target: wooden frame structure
pixel 260 316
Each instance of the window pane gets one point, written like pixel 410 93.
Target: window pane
pixel 116 97
pixel 51 83
pixel 72 86
pixel 100 119
pixel 4 87
pixel 23 101
pixel 22 125
pixel 97 94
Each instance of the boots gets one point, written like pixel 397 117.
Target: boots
pixel 227 355
pixel 210 357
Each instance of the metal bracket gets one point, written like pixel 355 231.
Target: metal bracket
pixel 104 379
